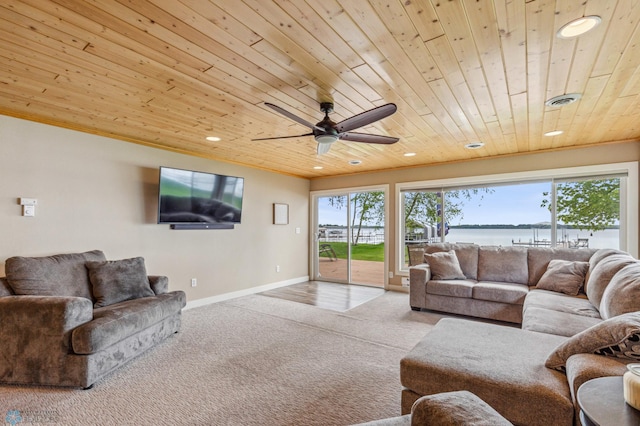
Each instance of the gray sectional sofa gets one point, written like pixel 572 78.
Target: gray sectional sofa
pixel 71 319
pixel 579 312
pixel 491 282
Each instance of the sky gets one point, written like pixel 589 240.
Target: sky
pixel 506 205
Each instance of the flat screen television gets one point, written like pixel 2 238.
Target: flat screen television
pixel 191 197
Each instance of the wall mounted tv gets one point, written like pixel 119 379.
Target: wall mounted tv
pixel 197 200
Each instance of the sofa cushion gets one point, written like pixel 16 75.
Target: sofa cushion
pixel 504 264
pixel 538 259
pixel 622 295
pixel 564 276
pixel 504 366
pixel 601 274
pixel 578 305
pixel 452 288
pixel 444 265
pixel 113 323
pixel 560 323
pixel 115 281
pixel 616 337
pixel 500 292
pixel 467 255
pixel 58 275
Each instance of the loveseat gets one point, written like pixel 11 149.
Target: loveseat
pixel 71 319
pixel 580 319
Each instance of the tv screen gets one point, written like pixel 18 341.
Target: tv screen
pixel 186 196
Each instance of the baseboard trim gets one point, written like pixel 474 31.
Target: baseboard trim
pixel 400 288
pixel 246 292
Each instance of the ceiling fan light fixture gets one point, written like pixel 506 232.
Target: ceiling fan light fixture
pixel 326 138
pixel 578 26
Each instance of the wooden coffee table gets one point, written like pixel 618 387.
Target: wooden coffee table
pixel 602 403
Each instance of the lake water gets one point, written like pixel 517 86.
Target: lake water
pixel 609 238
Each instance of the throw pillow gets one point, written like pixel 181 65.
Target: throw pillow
pixel 616 337
pixel 115 281
pixel 564 276
pixel 444 265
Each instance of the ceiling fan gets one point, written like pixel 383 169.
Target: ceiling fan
pixel 327 132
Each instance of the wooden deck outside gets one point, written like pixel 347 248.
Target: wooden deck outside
pixel 362 271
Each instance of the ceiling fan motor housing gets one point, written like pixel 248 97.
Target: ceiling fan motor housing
pixel 329 134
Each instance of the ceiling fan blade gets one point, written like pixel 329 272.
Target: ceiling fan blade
pixel 292 116
pixel 367 138
pixel 323 148
pixel 366 117
pixel 282 137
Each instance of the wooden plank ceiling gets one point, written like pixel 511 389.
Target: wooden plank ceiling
pixel 168 73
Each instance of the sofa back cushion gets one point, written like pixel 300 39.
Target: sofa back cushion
pixel 599 277
pixel 467 255
pixel 622 295
pixel 5 290
pixel 538 259
pixel 58 275
pixel 597 257
pixel 504 264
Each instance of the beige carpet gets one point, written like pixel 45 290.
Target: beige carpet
pixel 254 360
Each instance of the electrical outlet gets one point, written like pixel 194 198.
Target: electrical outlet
pixel 277 268
pixel 390 274
pixel 194 282
pixel 405 281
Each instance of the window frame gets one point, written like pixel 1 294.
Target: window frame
pixel 628 198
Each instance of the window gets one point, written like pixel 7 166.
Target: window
pixel 557 210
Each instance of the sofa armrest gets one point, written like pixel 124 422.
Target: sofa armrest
pixel 419 275
pixel 159 284
pixel 584 367
pixel 35 332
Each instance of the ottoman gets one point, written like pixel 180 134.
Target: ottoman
pixel 502 365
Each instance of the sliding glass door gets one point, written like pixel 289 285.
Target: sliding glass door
pixel 350 237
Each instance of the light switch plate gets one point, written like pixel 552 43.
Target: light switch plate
pixel 28 201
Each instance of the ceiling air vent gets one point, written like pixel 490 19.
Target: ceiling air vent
pixel 562 100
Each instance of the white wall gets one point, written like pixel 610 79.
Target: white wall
pixel 100 193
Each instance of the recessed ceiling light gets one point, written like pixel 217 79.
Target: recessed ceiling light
pixel 554 133
pixel 317 167
pixel 213 138
pixel 578 26
pixel 474 145
pixel 410 154
pixel 355 162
